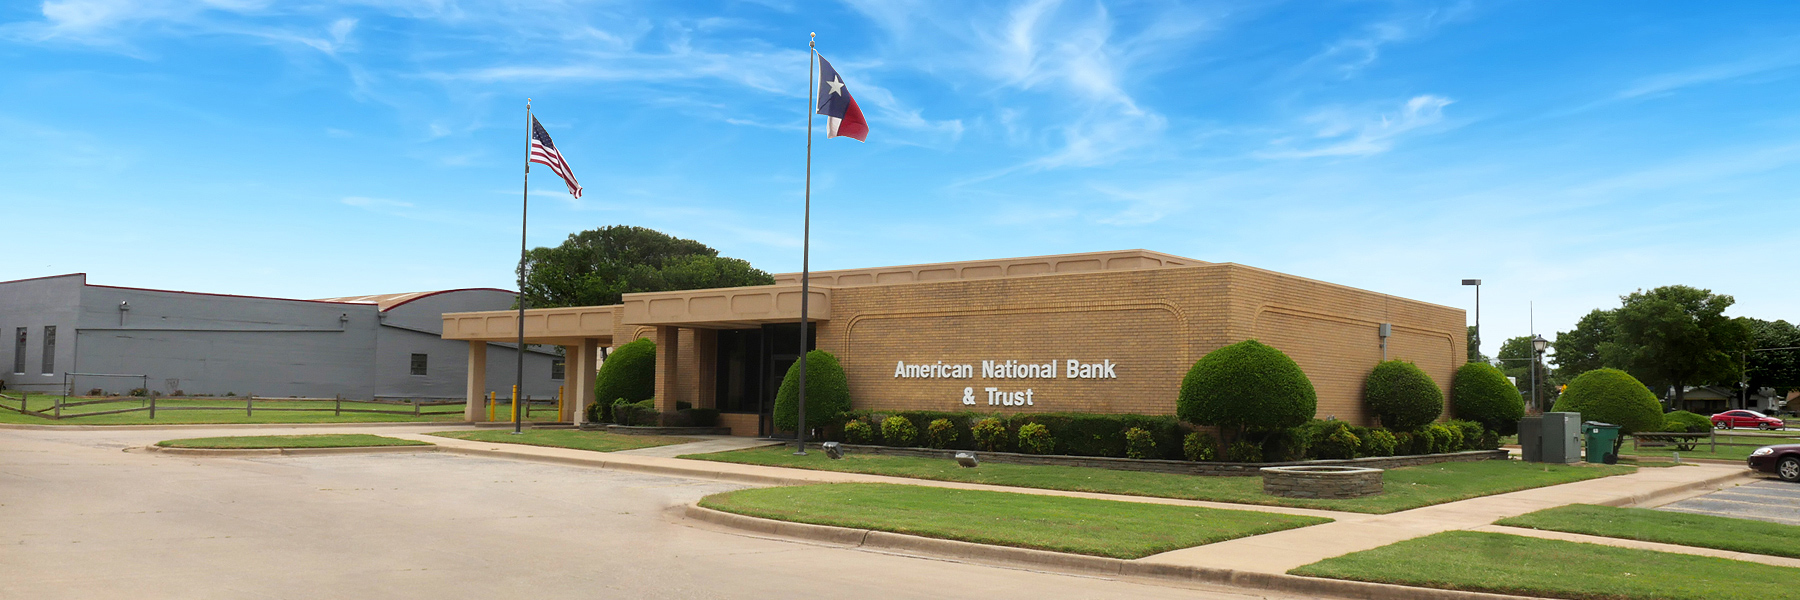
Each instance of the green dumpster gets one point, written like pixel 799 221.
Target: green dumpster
pixel 1602 442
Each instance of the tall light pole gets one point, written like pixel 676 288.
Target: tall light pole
pixel 1477 284
pixel 1538 344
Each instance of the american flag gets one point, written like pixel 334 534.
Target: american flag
pixel 544 152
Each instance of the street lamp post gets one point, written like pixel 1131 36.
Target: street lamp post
pixel 1538 344
pixel 1477 284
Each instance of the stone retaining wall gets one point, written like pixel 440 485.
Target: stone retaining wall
pixel 637 430
pixel 1178 467
pixel 1327 482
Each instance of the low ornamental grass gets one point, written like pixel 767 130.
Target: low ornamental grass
pixel 1076 525
pixel 1705 531
pixel 322 440
pixel 1510 564
pixel 1404 488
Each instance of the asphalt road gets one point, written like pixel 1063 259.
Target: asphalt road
pixel 1770 500
pixel 79 518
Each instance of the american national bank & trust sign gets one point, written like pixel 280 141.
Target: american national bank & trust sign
pixel 1010 369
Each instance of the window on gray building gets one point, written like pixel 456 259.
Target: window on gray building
pixel 418 364
pixel 557 369
pixel 19 352
pixel 49 349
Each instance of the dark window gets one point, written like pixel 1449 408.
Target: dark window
pixel 19 352
pixel 418 364
pixel 556 369
pixel 49 349
pixel 740 373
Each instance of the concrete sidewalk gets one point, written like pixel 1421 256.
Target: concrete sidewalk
pixel 1281 551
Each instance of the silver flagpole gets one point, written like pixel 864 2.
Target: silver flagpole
pixel 812 54
pixel 524 211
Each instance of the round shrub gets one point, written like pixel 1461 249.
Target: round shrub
pixel 1285 444
pixel 1246 385
pixel 1612 396
pixel 1481 393
pixel 1034 438
pixel 1452 438
pixel 1402 395
pixel 827 393
pixel 1140 443
pixel 898 431
pixel 858 432
pixel 1471 433
pixel 629 372
pixel 1337 441
pixel 1244 452
pixel 1199 446
pixel 1407 443
pixel 1379 442
pixel 1682 421
pixel 941 434
pixel 990 434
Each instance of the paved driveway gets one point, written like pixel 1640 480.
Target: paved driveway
pixel 79 518
pixel 1768 500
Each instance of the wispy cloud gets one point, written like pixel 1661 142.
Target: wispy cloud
pixel 1342 132
pixel 1349 55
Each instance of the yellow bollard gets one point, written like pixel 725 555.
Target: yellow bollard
pixel 559 405
pixel 491 404
pixel 515 403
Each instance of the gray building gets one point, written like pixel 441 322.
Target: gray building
pixel 197 343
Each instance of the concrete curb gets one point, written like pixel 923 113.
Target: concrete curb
pixel 1093 565
pixel 181 426
pixel 1651 497
pixel 230 452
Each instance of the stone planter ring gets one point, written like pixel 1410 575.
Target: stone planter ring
pixel 1304 481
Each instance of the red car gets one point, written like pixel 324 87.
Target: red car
pixel 1746 418
pixel 1783 461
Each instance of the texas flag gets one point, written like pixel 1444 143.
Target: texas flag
pixel 845 118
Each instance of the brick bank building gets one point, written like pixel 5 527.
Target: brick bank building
pixel 1103 332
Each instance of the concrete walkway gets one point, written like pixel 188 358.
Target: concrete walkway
pixel 1281 551
pixel 1779 561
pixel 707 444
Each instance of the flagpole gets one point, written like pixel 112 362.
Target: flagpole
pixel 524 213
pixel 812 54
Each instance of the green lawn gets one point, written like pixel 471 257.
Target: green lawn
pixel 1077 525
pixel 597 441
pixel 1408 487
pixel 323 440
pixel 1723 453
pixel 1510 564
pixel 1705 531
pixel 228 410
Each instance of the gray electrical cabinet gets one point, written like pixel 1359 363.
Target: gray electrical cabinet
pixel 1561 438
pixel 1531 439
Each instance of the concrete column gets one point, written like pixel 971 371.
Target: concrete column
pixel 477 385
pixel 668 363
pixel 706 360
pixel 581 386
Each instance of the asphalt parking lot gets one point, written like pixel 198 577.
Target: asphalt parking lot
pixel 1770 500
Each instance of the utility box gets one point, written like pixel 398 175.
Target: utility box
pixel 1562 438
pixel 1531 439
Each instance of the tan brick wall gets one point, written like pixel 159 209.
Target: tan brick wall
pixel 1152 323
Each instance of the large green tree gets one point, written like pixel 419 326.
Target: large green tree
pixel 599 266
pixel 1516 361
pixel 1779 369
pixel 1586 347
pixel 1679 336
pixel 1475 354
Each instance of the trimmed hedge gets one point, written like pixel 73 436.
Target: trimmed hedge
pixel 1612 396
pixel 1682 421
pixel 1402 395
pixel 1246 385
pixel 1075 434
pixel 827 393
pixel 629 373
pixel 1481 393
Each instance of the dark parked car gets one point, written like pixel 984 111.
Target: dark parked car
pixel 1783 461
pixel 1746 418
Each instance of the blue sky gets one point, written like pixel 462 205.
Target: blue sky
pixel 1564 153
